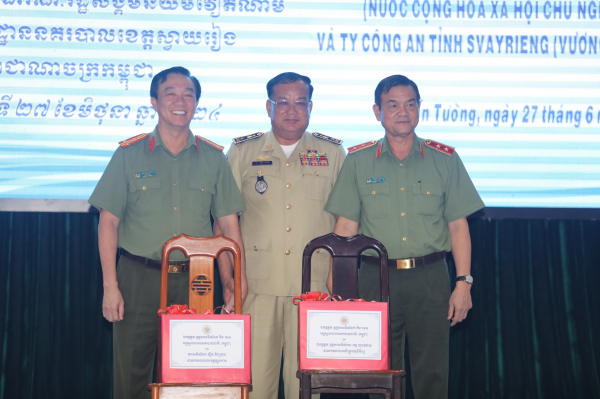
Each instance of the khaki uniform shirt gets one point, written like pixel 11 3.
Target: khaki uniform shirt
pixel 158 196
pixel 407 204
pixel 277 225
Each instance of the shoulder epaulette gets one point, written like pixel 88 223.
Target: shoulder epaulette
pixel 443 148
pixel 361 146
pixel 252 136
pixel 327 138
pixel 210 143
pixel 133 140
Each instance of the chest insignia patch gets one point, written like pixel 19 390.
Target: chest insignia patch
pixel 313 158
pixel 141 175
pixel 443 148
pixel 371 180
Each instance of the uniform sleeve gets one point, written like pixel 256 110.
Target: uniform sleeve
pixel 227 200
pixel 344 199
pixel 340 156
pixel 233 156
pixel 111 191
pixel 462 198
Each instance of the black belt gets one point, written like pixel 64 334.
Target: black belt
pixel 408 263
pixel 175 266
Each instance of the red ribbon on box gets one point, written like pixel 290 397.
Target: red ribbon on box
pixel 183 309
pixel 322 296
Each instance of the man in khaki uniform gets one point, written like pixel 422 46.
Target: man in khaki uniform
pixel 285 176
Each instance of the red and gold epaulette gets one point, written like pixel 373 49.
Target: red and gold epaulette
pixel 358 147
pixel 443 148
pixel 133 140
pixel 210 143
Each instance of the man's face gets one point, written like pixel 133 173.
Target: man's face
pixel 289 118
pixel 399 112
pixel 176 102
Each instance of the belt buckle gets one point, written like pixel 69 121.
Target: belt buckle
pixel 405 263
pixel 178 268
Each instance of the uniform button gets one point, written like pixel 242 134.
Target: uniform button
pixel 143 187
pixel 268 146
pixel 288 206
pixel 288 185
pixel 402 214
pixel 373 192
pixel 175 183
pixel 288 164
pixel 288 229
pixel 255 248
pixel 174 234
pixel 403 238
pixel 316 173
pixel 203 189
pixel 401 164
pixel 318 250
pixel 428 193
pixel 176 208
pixel 175 159
pixel 287 252
pixel 401 188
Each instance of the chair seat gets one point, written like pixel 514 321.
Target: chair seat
pixel 199 391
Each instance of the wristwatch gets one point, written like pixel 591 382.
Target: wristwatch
pixel 468 279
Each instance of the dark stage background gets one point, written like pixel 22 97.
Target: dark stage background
pixel 534 331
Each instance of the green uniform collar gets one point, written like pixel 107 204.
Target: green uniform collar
pixel 156 140
pixel 416 147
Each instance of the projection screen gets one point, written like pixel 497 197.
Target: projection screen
pixel 514 86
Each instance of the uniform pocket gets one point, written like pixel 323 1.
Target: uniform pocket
pixel 316 183
pixel 201 193
pixel 144 195
pixel 376 200
pixel 258 257
pixel 428 200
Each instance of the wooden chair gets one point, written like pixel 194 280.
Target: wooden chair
pixel 202 252
pixel 345 252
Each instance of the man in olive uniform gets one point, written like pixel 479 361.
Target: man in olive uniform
pixel 285 176
pixel 156 187
pixel 413 195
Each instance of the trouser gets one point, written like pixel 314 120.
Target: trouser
pixel 419 300
pixel 135 338
pixel 274 329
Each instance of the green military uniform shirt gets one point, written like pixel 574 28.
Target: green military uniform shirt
pixel 277 224
pixel 407 204
pixel 158 196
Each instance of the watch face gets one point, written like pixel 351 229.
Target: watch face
pixel 469 279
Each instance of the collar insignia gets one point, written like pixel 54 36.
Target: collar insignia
pixel 361 146
pixel 443 148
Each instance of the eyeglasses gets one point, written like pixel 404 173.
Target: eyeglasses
pixel 285 105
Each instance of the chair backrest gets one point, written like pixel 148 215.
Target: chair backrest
pixel 345 252
pixel 202 253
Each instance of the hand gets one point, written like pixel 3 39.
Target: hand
pixel 228 297
pixel 460 303
pixel 112 304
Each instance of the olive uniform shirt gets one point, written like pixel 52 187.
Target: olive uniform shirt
pixel 407 204
pixel 277 224
pixel 158 196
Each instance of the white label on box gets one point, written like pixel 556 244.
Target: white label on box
pixel 207 344
pixel 343 334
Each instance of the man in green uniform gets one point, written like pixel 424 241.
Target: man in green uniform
pixel 413 195
pixel 156 187
pixel 285 176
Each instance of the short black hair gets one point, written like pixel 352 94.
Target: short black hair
pixel 288 77
pixel 392 81
pixel 162 76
